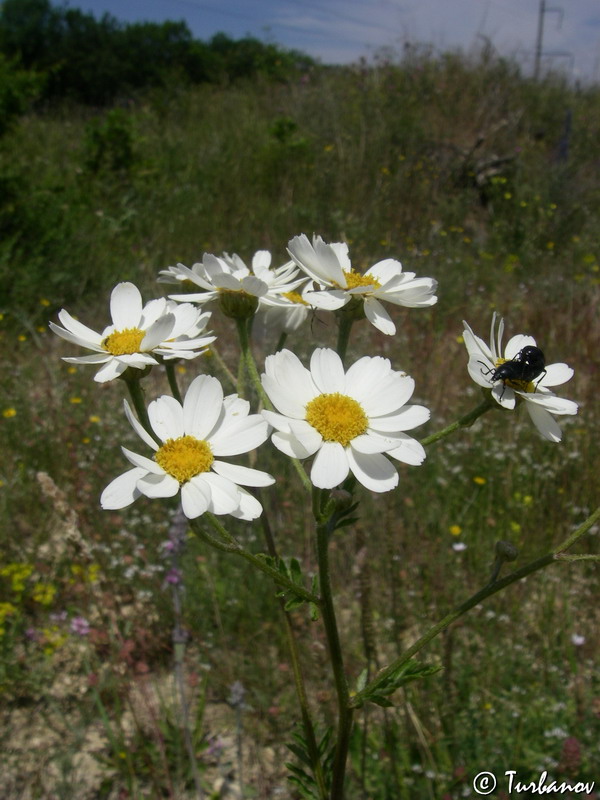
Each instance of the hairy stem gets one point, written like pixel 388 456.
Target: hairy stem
pixel 467 605
pixel 464 422
pixel 337 663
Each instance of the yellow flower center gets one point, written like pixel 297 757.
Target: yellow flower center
pixel 337 417
pixel 184 457
pixel 124 342
pixel 294 297
pixel 354 279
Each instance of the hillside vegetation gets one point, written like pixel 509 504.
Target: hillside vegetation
pixel 461 168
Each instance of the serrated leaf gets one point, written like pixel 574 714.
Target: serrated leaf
pixel 380 700
pixel 300 753
pixel 294 602
pixel 324 743
pixel 295 571
pixel 300 773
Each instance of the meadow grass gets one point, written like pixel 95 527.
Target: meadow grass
pixel 465 172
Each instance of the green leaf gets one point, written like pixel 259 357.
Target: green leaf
pixel 379 700
pixel 362 680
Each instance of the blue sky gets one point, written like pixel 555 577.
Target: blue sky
pixel 341 31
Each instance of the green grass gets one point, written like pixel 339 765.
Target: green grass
pixel 450 166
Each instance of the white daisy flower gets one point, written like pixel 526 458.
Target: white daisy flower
pixel 189 442
pixel 347 420
pixel 138 333
pixel 286 311
pixel 540 401
pixel 216 275
pixel 330 267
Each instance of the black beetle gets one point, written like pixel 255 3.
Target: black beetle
pixel 525 367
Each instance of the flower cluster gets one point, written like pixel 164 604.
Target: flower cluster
pixel 348 421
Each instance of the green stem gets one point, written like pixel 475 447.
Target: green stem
pixel 579 557
pixel 223 366
pixel 337 664
pixel 228 544
pixel 281 342
pixel 464 422
pixel 578 533
pixel 309 731
pixel 137 397
pixel 477 598
pixel 345 322
pixel 172 378
pixel 250 363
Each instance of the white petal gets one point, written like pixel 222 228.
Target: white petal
pixel 125 306
pixel 147 464
pixel 277 421
pixel 305 433
pixel 166 418
pixel 195 497
pixel 261 260
pixel 202 406
pixel 288 383
pixel 550 402
pixel 330 466
pixel 96 358
pixel 406 419
pixel 385 270
pixel 476 346
pixel 481 369
pixel 249 507
pixel 370 443
pixel 327 300
pixel 241 436
pixel 516 344
pixel 365 374
pixel 158 485
pixel 378 316
pixel 254 286
pixel 244 475
pixel 556 374
pixel 291 445
pixel 138 427
pixel 375 472
pixel 545 423
pixel 111 370
pixel 389 395
pixel 409 451
pixel 122 491
pixel 224 494
pixel 327 371
pixel 157 332
pixel 504 395
pixel 84 337
pixel 78 328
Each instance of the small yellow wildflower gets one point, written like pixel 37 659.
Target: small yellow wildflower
pixel 7 413
pixel 44 593
pixel 479 480
pixel 455 530
pixel 515 527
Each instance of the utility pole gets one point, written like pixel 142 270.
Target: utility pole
pixel 539 47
